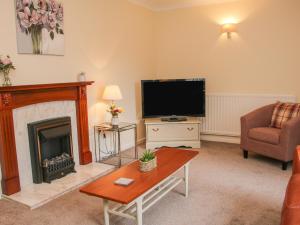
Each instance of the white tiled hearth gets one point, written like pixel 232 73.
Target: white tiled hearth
pixel 36 195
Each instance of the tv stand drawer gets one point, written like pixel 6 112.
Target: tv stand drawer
pixel 173 132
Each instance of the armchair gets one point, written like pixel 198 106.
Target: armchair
pixel 257 135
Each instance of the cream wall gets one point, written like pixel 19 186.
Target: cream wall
pixel 109 40
pixel 116 42
pixel 263 57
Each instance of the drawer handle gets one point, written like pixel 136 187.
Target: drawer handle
pixel 155 129
pixel 190 128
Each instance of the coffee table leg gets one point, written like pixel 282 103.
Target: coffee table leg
pixel 139 211
pixel 106 214
pixel 186 179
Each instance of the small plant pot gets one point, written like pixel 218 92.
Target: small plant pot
pixel 148 166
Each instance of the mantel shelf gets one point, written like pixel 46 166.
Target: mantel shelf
pixel 44 86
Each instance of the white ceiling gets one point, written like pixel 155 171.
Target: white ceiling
pixel 159 5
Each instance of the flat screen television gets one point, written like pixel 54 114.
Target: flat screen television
pixel 171 98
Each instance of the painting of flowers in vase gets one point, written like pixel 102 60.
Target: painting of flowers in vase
pixel 40 27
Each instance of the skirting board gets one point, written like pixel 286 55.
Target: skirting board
pixel 130 145
pixel 141 141
pixel 219 138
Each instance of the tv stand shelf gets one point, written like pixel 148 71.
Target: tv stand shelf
pixel 173 134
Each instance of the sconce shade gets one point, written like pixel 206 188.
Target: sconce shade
pixel 112 92
pixel 228 28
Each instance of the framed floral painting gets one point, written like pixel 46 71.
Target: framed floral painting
pixel 40 27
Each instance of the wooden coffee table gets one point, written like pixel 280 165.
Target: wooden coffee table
pixel 147 188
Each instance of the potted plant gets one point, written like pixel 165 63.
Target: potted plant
pixel 148 161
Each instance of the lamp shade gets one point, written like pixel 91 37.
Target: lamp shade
pixel 112 92
pixel 228 28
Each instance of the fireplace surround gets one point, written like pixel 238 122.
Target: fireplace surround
pixel 18 96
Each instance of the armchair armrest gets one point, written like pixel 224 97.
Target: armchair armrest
pixel 290 135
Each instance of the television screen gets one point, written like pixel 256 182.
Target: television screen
pixel 173 98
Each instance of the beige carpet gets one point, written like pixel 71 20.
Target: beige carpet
pixel 225 189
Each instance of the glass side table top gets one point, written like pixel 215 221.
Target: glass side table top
pixel 122 126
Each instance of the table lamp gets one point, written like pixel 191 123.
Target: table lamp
pixel 113 93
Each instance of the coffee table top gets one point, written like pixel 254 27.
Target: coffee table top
pixel 169 160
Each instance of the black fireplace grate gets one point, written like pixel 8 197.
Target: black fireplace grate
pixel 58 167
pixel 51 149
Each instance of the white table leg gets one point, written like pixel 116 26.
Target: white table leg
pixel 186 179
pixel 139 211
pixel 106 214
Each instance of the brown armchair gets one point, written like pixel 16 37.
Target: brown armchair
pixel 257 135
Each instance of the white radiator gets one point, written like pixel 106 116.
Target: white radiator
pixel 223 111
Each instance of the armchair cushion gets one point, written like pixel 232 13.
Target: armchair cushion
pixel 265 134
pixel 284 112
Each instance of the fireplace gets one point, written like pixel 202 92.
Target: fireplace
pixel 51 149
pixel 14 97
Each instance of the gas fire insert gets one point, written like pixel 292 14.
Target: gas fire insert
pixel 51 149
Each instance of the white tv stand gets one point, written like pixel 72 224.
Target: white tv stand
pixel 172 134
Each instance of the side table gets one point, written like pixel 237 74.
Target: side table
pixel 103 128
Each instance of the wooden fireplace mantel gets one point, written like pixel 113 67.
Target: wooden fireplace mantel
pixel 18 96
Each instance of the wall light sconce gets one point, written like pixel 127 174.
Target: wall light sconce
pixel 229 28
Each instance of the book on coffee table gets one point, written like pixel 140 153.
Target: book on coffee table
pixel 123 181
